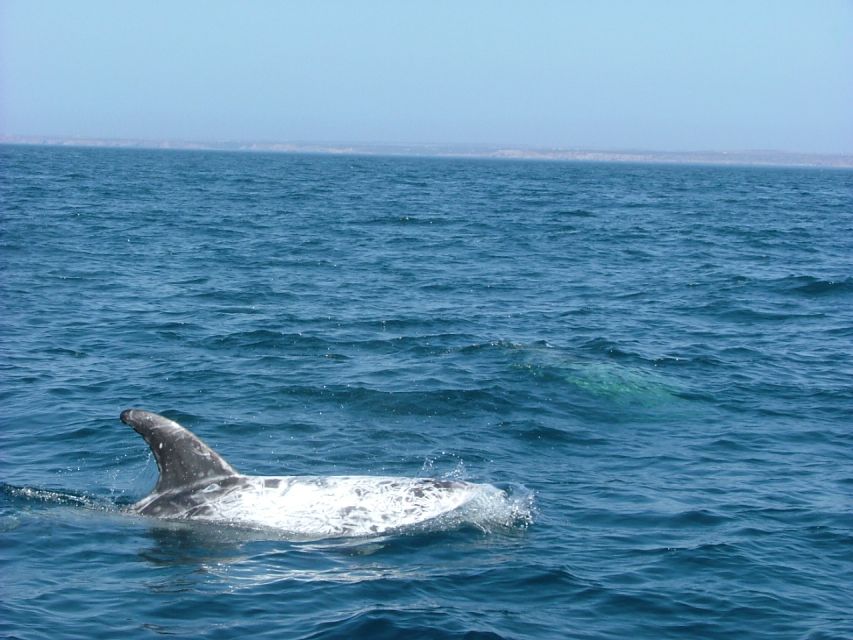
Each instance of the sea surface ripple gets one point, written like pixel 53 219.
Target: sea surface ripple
pixel 661 357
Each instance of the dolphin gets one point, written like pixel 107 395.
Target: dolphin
pixel 196 483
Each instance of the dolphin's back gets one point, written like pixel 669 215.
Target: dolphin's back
pixel 196 483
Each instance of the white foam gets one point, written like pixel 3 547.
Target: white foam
pixel 364 506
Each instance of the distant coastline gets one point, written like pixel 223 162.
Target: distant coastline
pixel 756 158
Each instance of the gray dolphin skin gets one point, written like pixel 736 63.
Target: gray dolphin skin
pixel 185 464
pixel 183 459
pixel 196 483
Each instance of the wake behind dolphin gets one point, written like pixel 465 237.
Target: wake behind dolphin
pixel 196 483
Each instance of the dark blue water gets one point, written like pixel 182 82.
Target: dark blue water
pixel 662 355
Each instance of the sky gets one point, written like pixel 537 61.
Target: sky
pixel 713 75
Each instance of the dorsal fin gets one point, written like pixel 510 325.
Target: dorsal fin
pixel 183 459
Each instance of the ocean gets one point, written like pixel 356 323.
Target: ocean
pixel 658 357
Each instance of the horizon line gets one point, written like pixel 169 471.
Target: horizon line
pixel 755 157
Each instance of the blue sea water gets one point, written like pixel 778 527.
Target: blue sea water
pixel 660 356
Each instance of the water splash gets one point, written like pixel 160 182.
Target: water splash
pixel 35 495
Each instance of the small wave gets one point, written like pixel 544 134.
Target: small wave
pixel 394 220
pixel 265 338
pixel 580 213
pixel 530 431
pixel 811 286
pixel 380 623
pixel 435 401
pixel 799 285
pixel 742 314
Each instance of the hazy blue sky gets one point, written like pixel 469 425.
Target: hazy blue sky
pixel 718 75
